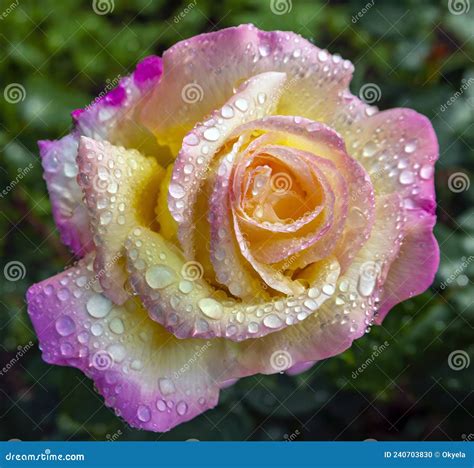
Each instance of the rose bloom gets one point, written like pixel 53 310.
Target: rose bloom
pixel 235 210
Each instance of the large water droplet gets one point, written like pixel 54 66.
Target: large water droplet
pixel 272 321
pixel 143 413
pixel 159 276
pixel 210 308
pixel 211 134
pixel 98 306
pixel 65 326
pixel 166 386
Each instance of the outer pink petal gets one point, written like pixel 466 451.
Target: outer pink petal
pixel 150 379
pixel 70 214
pixel 414 269
pixel 216 63
pixel 398 149
pixel 100 120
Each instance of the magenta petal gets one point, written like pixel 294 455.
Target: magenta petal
pixel 415 267
pixel 148 70
pixel 148 377
pixel 60 170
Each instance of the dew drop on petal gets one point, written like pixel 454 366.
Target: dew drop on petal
pixel 98 306
pixel 211 134
pixel 143 413
pixel 159 276
pixel 181 408
pixel 272 321
pixel 65 326
pixel 210 308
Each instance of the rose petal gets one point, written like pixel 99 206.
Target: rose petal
pixel 193 308
pixel 347 314
pixel 398 148
pixel 200 146
pixel 414 269
pixel 106 118
pixel 318 139
pixel 151 379
pixel 201 72
pixel 70 214
pixel 120 188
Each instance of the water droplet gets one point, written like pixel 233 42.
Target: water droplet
pixel 369 149
pixel 242 104
pixel 406 177
pixel 211 134
pixel 176 190
pixel 161 405
pixel 116 325
pixel 410 147
pixel 117 351
pixel 328 289
pixel 98 306
pixel 166 386
pixel 181 408
pixel 211 308
pixel 426 172
pixel 159 276
pixel 143 413
pixel 65 325
pixel 227 112
pixel 272 321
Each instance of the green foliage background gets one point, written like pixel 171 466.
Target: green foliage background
pixel 417 52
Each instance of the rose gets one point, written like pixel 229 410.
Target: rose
pixel 275 216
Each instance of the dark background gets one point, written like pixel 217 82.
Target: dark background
pixel 420 55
